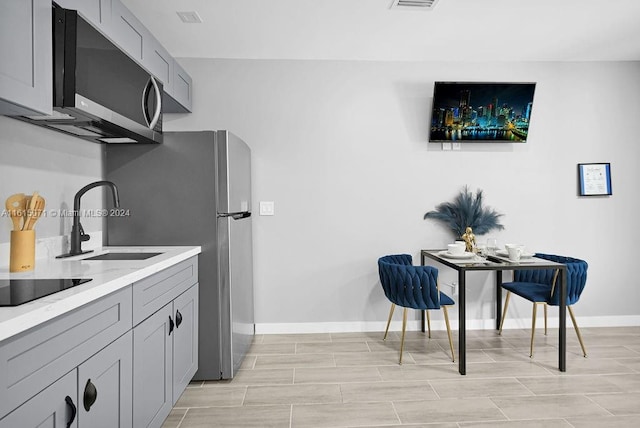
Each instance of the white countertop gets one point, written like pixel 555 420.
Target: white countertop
pixel 107 276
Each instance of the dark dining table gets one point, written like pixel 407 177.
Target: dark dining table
pixel 471 263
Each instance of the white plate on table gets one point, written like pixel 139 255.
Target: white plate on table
pixel 505 253
pixel 462 256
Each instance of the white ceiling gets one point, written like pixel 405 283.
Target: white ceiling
pixel 491 30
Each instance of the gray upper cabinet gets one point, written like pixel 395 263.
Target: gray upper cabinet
pixel 128 32
pixel 134 38
pixel 25 49
pixel 97 12
pixel 159 62
pixel 179 100
pixel 26 86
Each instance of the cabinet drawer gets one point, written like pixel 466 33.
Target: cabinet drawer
pixel 33 361
pixel 154 292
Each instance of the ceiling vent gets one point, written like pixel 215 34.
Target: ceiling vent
pixel 190 17
pixel 414 4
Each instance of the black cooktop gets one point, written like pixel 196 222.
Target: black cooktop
pixel 14 292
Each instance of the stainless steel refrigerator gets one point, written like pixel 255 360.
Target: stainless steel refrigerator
pixel 195 189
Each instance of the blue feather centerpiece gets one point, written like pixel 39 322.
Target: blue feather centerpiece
pixel 466 210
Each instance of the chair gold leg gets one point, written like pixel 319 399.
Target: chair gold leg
pixel 404 326
pixel 393 306
pixel 575 325
pixel 533 327
pixel 446 320
pixel 545 319
pixel 428 323
pixel 504 311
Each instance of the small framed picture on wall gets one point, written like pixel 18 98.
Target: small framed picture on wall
pixel 594 179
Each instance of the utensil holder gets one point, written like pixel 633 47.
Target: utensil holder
pixel 23 250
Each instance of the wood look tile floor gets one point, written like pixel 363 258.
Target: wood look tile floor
pixel 354 380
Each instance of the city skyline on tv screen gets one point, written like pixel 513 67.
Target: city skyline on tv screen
pixel 481 112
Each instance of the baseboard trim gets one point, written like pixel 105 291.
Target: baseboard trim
pixel 366 326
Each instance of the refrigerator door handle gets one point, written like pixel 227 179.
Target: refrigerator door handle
pixel 236 216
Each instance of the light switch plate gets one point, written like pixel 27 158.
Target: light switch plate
pixel 267 208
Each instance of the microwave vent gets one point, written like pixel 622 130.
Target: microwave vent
pixel 414 4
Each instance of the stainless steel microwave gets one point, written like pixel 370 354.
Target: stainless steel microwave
pixel 99 92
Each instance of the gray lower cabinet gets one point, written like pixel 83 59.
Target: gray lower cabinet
pixel 31 362
pixel 26 86
pixel 185 340
pixel 165 358
pixel 97 394
pixel 52 408
pixel 121 361
pixel 105 385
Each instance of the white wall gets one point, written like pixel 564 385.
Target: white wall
pixel 56 166
pixel 341 147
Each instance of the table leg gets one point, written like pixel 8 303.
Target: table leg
pixel 498 299
pixel 562 334
pixel 462 324
pixel 423 313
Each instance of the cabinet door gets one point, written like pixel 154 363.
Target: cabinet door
pixel 128 32
pixel 98 12
pixel 158 61
pixel 49 409
pixel 152 362
pixel 25 48
pixel 180 91
pixel 185 340
pixel 105 387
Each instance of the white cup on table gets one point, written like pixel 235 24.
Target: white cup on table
pixel 514 251
pixel 456 249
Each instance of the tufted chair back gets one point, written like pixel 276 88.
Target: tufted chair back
pixel 407 285
pixel 576 277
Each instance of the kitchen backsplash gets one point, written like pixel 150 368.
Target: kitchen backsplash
pixel 50 247
pixel 56 166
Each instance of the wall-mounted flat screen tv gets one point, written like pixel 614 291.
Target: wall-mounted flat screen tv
pixel 475 112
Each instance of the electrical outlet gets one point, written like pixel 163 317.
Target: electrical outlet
pixel 267 208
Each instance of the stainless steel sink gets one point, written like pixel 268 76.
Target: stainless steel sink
pixel 123 256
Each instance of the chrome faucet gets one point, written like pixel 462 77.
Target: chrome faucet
pixel 77 232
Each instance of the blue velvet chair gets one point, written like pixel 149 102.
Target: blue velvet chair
pixel 539 287
pixel 414 287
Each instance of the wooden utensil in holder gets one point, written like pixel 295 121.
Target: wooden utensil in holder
pixel 24 212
